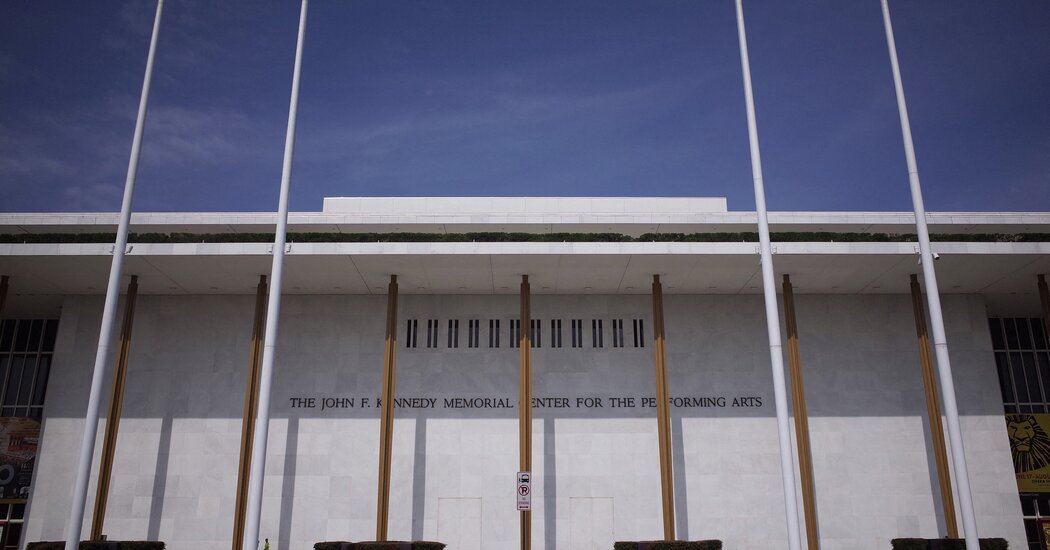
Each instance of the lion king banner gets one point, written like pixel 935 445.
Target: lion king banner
pixel 1030 447
pixel 18 444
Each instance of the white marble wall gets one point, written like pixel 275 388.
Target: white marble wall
pixel 596 476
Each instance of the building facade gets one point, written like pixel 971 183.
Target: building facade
pixel 590 263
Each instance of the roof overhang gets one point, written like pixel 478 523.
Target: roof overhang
pixel 634 222
pixel 998 270
pixel 496 268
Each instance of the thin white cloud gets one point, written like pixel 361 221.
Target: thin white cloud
pixel 178 135
pixel 137 16
pixel 95 197
pixel 7 61
pixel 83 152
pixel 24 155
pixel 502 110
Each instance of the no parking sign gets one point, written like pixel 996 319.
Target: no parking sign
pixel 524 491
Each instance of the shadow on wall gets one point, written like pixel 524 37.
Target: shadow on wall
pixel 931 467
pixel 419 479
pixel 550 486
pixel 160 479
pixel 681 496
pixel 291 452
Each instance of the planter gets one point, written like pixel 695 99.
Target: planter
pixel 373 545
pixel 100 545
pixel 910 544
pixel 427 545
pixel 388 545
pixel 946 544
pixel 669 545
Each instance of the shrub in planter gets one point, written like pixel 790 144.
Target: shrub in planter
pixel 335 545
pixel 946 544
pixel 669 545
pixel 687 545
pixel 140 545
pixel 389 545
pixel 374 546
pixel 637 545
pixel 427 545
pixel 84 545
pixel 960 544
pixel 634 545
pixel 100 545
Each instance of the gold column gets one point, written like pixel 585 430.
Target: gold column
pixel 798 400
pixel 251 403
pixel 116 401
pixel 386 428
pixel 933 408
pixel 663 419
pixel 1044 297
pixel 525 401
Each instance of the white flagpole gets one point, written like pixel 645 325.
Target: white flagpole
pixel 933 298
pixel 273 310
pixel 87 446
pixel 769 289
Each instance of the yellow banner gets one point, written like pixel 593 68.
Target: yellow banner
pixel 1030 446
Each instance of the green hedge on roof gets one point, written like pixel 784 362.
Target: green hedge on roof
pixel 493 237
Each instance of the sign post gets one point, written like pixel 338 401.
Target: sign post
pixel 524 491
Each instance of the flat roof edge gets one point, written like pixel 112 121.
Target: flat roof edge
pixel 529 222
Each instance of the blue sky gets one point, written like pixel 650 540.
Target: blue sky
pixel 580 98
